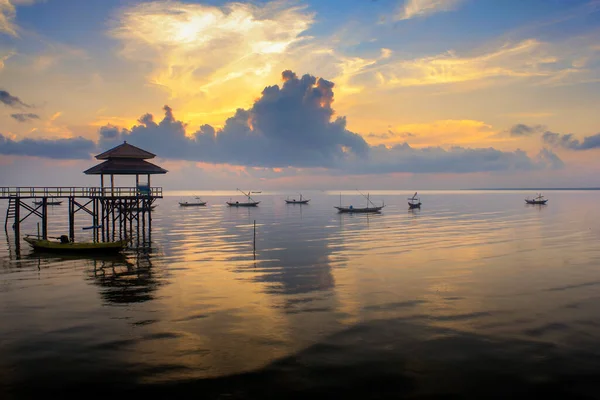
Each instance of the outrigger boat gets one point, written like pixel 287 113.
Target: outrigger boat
pixel 540 200
pixel 250 203
pixel 48 203
pixel 193 204
pixel 294 201
pixel 66 246
pixel 414 202
pixel 370 208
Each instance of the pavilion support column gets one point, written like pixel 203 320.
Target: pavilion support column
pixel 148 181
pixel 102 184
pixel 112 185
pixel 137 180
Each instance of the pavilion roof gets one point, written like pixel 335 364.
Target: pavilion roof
pixel 125 150
pixel 125 166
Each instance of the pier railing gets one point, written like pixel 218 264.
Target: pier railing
pixel 60 191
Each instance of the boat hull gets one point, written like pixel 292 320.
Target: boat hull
pixel 76 248
pixel 414 205
pixel 48 203
pixel 297 201
pixel 251 204
pixel 359 210
pixel 538 202
pixel 192 204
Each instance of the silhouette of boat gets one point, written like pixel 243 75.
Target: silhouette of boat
pixel 370 208
pixel 250 203
pixel 66 246
pixel 539 199
pixel 193 204
pixel 414 202
pixel 294 201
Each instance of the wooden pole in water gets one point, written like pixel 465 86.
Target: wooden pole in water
pixel 254 240
pixel 17 224
pixel 45 218
pixel 72 219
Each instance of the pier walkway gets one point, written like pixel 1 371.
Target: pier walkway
pixel 81 192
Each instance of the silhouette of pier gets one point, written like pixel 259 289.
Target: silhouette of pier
pixel 115 212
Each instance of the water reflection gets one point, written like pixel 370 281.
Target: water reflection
pixel 122 281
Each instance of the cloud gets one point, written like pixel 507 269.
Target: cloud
pixel 25 117
pixel 423 8
pixel 10 100
pixel 8 13
pixel 520 130
pixel 73 148
pixel 526 59
pixel 195 49
pixel 289 126
pixel 568 141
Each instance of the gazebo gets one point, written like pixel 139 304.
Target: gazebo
pixel 126 159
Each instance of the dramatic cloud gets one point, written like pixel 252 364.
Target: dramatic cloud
pixel 520 130
pixel 74 148
pixel 244 41
pixel 25 117
pixel 568 141
pixel 423 8
pixel 10 100
pixel 293 125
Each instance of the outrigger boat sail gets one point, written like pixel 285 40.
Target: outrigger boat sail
pixel 294 201
pixel 539 199
pixel 66 246
pixel 414 202
pixel 48 202
pixel 193 203
pixel 370 208
pixel 250 203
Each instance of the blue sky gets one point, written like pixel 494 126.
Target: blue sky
pixel 438 84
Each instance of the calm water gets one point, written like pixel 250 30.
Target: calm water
pixel 476 295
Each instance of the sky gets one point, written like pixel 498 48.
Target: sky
pixel 304 94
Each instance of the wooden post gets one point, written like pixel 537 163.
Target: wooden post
pixel 101 184
pixel 254 240
pixel 72 219
pixel 45 218
pixel 17 224
pixel 112 185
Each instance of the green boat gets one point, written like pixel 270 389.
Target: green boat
pixel 65 246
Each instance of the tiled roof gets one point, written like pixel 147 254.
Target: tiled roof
pixel 125 166
pixel 125 150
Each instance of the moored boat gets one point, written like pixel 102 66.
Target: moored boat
pixel 370 208
pixel 65 246
pixel 48 203
pixel 294 201
pixel 539 200
pixel 414 202
pixel 249 203
pixel 193 203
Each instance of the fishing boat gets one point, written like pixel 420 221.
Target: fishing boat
pixel 414 202
pixel 294 201
pixel 193 203
pixel 48 203
pixel 249 203
pixel 87 228
pixel 66 246
pixel 370 208
pixel 137 209
pixel 539 199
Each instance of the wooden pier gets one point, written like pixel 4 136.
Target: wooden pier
pixel 115 212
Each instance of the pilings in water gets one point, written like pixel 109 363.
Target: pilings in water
pixel 113 218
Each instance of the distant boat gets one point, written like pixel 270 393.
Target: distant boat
pixel 537 200
pixel 294 201
pixel 193 203
pixel 49 203
pixel 138 209
pixel 370 208
pixel 86 228
pixel 66 246
pixel 414 202
pixel 250 203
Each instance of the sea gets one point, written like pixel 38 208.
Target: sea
pixel 476 295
